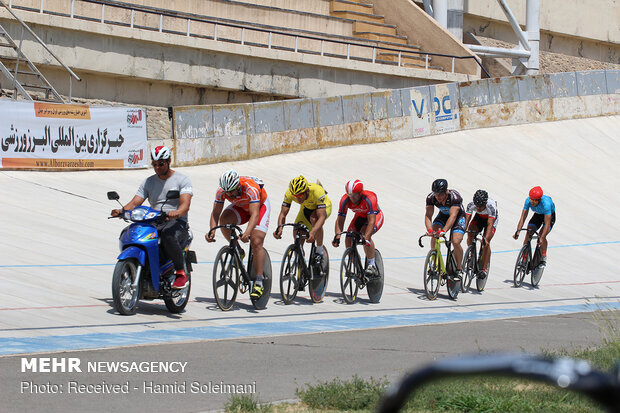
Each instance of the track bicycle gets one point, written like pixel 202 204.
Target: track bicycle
pixel 528 263
pixel 230 276
pixel 353 273
pixel 472 263
pixel 295 274
pixel 436 273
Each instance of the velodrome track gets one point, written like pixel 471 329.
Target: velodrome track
pixel 59 248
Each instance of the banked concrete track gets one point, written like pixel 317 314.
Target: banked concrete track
pixel 58 249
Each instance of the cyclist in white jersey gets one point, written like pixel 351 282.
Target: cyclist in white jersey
pixel 484 220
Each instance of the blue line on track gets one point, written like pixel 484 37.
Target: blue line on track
pixel 20 345
pixel 334 259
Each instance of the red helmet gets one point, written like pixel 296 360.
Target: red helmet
pixel 536 192
pixel 354 186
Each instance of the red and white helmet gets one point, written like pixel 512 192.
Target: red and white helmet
pixel 354 186
pixel 160 153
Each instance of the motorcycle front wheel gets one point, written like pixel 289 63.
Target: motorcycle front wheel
pixel 126 286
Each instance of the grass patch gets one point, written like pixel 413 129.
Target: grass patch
pixel 354 394
pixel 246 403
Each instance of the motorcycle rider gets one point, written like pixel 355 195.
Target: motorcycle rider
pixel 173 232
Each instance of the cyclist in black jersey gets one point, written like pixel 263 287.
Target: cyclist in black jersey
pixel 451 217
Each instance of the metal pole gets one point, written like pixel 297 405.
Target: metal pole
pixel 161 22
pixel 72 7
pixel 514 24
pixel 440 12
pixel 103 13
pixel 215 32
pixel 41 11
pixel 132 18
pixel 532 25
pixel 188 27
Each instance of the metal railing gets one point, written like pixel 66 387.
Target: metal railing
pixel 72 75
pixel 193 25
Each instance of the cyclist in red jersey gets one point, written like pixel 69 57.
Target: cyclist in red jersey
pixel 248 203
pixel 368 219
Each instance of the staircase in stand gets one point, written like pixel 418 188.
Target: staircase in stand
pixel 25 79
pixel 370 26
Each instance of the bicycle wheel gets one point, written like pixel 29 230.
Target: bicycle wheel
pixel 521 266
pixel 481 283
pixel 348 274
pixel 290 274
pixel 261 303
pixel 432 277
pixel 375 287
pixel 453 284
pixel 225 278
pixel 320 277
pixel 538 271
pixel 469 267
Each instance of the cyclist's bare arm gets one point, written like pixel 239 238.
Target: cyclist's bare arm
pixel 215 218
pixel 467 219
pixel 428 218
pixel 321 215
pixel 454 212
pixel 520 224
pixel 281 219
pixel 338 228
pixel 254 215
pixel 546 228
pixel 489 232
pixel 372 218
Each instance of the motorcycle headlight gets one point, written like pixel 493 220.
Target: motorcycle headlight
pixel 151 215
pixel 138 214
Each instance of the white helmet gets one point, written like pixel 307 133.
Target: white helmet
pixel 229 181
pixel 160 153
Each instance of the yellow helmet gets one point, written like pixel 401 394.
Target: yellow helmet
pixel 298 185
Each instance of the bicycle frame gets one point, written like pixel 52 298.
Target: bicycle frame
pixel 357 239
pixel 234 245
pixel 301 233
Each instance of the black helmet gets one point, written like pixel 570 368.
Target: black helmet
pixel 439 186
pixel 480 198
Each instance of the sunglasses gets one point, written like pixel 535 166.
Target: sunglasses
pixel 160 163
pixel 300 195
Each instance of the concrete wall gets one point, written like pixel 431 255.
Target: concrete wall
pixel 147 67
pixel 211 134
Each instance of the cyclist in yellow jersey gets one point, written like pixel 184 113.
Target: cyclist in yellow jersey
pixel 315 208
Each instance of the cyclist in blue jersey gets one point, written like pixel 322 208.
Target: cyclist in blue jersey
pixel 544 213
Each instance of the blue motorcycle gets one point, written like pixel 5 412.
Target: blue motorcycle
pixel 142 270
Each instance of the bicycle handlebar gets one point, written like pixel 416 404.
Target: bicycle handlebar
pixel 534 235
pixel 566 373
pixel 434 235
pixel 232 227
pixel 358 237
pixel 298 226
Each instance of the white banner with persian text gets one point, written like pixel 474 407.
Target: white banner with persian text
pixel 66 136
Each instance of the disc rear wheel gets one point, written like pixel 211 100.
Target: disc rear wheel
pixel 320 277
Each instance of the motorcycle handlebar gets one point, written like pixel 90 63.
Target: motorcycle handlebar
pixel 566 373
